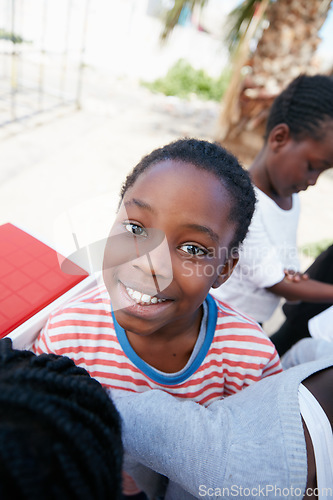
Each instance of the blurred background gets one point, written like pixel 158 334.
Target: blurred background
pixel 87 87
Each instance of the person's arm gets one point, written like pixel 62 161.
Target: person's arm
pixel 307 350
pixel 306 290
pixel 182 440
pixel 252 439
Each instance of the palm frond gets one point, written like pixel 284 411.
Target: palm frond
pixel 238 21
pixel 173 14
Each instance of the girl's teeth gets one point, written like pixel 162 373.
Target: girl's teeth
pixel 146 298
pixel 142 298
pixel 136 295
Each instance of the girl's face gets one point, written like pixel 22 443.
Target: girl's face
pixel 175 233
pixel 294 166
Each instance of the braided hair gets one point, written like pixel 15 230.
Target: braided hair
pixel 60 435
pixel 306 106
pixel 213 158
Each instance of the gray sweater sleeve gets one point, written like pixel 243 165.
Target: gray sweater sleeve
pixel 253 439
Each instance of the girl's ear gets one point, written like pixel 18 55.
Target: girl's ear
pixel 279 136
pixel 226 271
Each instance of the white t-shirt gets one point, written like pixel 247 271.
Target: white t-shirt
pixel 321 326
pixel 320 431
pixel 268 249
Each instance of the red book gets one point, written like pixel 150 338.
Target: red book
pixel 32 283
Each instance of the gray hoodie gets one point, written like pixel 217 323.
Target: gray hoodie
pixel 248 445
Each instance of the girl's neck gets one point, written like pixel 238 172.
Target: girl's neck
pixel 259 174
pixel 170 348
pixel 260 177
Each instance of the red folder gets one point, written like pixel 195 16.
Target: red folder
pixel 30 277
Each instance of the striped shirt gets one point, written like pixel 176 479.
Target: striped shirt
pixel 235 351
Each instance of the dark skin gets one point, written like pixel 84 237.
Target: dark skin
pixel 321 386
pixel 168 354
pixel 285 166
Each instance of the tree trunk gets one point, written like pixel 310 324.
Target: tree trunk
pixel 285 50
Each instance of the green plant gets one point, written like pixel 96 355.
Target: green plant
pixel 6 35
pixel 182 80
pixel 314 249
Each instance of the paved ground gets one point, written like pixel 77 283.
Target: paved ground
pixel 70 164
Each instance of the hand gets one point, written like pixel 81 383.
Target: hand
pixel 295 276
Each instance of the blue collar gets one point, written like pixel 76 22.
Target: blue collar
pixel 158 377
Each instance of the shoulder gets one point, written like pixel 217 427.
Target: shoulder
pixel 83 321
pixel 262 200
pixel 236 326
pixel 94 299
pixel 264 210
pixel 227 314
pixel 244 347
pixel 90 309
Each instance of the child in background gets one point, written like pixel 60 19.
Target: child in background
pixel 185 209
pixel 298 148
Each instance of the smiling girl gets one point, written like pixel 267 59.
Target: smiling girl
pixel 184 211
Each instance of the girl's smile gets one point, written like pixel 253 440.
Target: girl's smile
pixel 143 298
pixel 141 304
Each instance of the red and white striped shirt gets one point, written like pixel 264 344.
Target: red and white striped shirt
pixel 234 354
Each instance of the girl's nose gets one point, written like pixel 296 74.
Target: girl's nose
pixel 156 264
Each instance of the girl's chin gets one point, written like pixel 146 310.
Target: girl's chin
pixel 141 312
pixel 135 325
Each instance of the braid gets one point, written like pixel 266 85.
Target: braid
pixel 59 431
pixel 306 105
pixel 213 158
pixel 288 97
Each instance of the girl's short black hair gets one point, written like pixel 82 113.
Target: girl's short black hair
pixel 60 434
pixel 213 158
pixel 306 105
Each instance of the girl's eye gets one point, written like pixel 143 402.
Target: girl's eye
pixel 193 250
pixel 135 229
